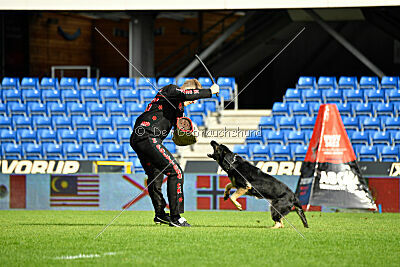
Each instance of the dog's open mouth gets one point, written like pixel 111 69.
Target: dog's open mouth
pixel 214 145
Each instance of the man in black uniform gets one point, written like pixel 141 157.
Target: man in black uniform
pixel 151 128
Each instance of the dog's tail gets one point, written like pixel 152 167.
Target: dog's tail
pixel 300 212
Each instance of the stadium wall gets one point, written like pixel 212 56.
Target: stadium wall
pixel 203 191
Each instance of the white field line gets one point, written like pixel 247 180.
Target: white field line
pixel 85 256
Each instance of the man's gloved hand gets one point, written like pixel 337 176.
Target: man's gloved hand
pixel 214 88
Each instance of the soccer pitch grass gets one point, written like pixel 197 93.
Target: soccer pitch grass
pixel 216 239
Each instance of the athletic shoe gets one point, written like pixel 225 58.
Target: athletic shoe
pixel 181 222
pixel 162 219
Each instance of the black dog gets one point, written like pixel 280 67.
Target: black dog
pixel 250 180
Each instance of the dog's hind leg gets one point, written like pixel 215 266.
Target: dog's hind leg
pixel 228 188
pixel 279 209
pixel 240 192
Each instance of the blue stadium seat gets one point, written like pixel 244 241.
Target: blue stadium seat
pixel 41 122
pixel 10 83
pixel 107 136
pixel 307 123
pixel 372 123
pixel 306 82
pixel 67 83
pixel 396 138
pixel 83 123
pixel 128 151
pixel 390 82
pixel 115 109
pixel 90 95
pixel 369 82
pixel 260 153
pixel 107 83
pixel 123 122
pixel 312 95
pixel 3 109
pixel 353 96
pixel 385 109
pixel 198 119
pixel 76 109
pixel 360 138
pixel 13 151
pixel 392 123
pixel 96 109
pixel 148 95
pixel 26 135
pixel 22 122
pixel 300 153
pixel 88 83
pixel 147 83
pixel 51 83
pixel 87 136
pixel 345 109
pixel 50 95
pixel 196 108
pixel 127 96
pixel 30 83
pixel 274 137
pixel 62 122
pixel 109 95
pixel 372 95
pixel 31 95
pixel 15 108
pixel 393 95
pixel 37 108
pixel 254 137
pixel 137 166
pixel 70 95
pixel 8 136
pixel 67 136
pixel 56 108
pixel 281 153
pixel 280 108
pixel 226 83
pixel 93 151
pixel 101 122
pixel 293 95
pixel 368 153
pixel 325 82
pixel 241 150
pixel 381 138
pixel 346 82
pixel 210 105
pixel 333 96
pixel 390 154
pixel 32 151
pixel 47 135
pixel 226 94
pixel 287 123
pixel 267 122
pixel 296 137
pixel 126 83
pixel 135 109
pixel 113 152
pixel 205 82
pixel 124 135
pixel 164 81
pixel 52 151
pixel 72 151
pixel 12 94
pixel 301 109
pixel 364 109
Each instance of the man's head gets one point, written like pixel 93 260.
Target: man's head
pixel 191 84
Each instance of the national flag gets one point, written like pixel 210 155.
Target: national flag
pixel 210 193
pixel 74 191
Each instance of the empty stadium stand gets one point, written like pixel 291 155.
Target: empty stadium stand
pixel 86 119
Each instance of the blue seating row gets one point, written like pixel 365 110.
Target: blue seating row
pixel 347 82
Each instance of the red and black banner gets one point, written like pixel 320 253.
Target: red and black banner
pixel 330 175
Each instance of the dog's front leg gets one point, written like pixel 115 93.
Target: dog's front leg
pixel 240 192
pixel 228 188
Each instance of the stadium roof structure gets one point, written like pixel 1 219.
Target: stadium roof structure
pixel 186 5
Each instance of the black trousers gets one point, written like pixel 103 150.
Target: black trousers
pixel 157 161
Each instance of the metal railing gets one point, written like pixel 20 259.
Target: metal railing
pixel 61 68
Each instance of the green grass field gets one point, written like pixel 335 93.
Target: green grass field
pixel 216 239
